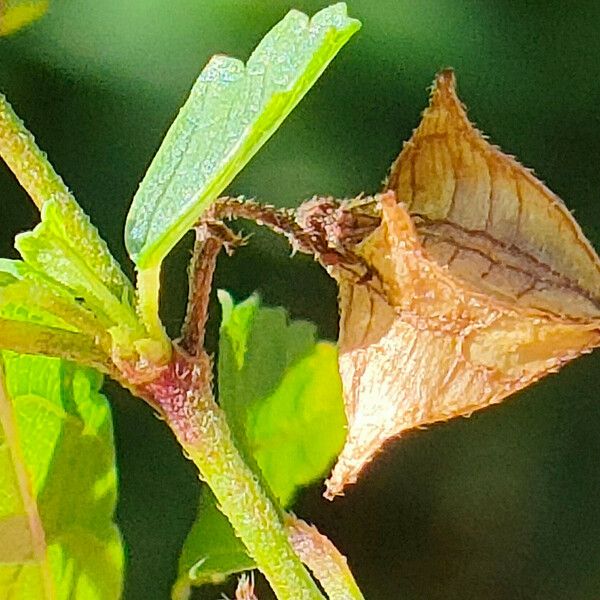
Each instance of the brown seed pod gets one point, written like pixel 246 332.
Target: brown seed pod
pixel 481 283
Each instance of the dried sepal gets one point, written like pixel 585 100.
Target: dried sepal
pixel 488 218
pixel 328 565
pixel 485 287
pixel 245 588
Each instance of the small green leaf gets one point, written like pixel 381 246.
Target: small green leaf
pixel 57 483
pixel 296 432
pixel 231 112
pixel 27 296
pixel 29 337
pixel 282 394
pixel 67 249
pixel 66 220
pixel 37 316
pixel 256 347
pixel 236 322
pixel 15 14
pixel 69 280
pixel 211 551
pixel 66 257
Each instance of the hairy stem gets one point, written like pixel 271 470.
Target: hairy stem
pixel 324 227
pixel 29 164
pixel 202 268
pixel 303 232
pixel 182 393
pixel 279 220
pixel 325 561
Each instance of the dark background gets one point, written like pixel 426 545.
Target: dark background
pixel 504 505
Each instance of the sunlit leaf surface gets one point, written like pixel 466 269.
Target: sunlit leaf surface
pixel 487 286
pixel 57 483
pixel 65 247
pixel 231 112
pixel 15 14
pixel 69 273
pixel 282 394
pixel 67 269
pixel 37 316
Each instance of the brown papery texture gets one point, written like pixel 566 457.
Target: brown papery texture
pixel 245 588
pixel 480 283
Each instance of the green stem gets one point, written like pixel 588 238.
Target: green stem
pixel 148 289
pixel 29 164
pixel 183 395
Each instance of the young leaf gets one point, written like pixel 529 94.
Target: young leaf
pixel 32 338
pixel 39 316
pixel 28 296
pixel 231 112
pixel 57 483
pixel 29 300
pixel 256 347
pixel 66 248
pixel 15 14
pixel 64 253
pixel 295 432
pixel 280 390
pixel 485 287
pixel 282 395
pixel 211 551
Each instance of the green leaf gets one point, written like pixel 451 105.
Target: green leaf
pixel 66 249
pixel 31 338
pixel 15 14
pixel 28 296
pixel 37 316
pixel 282 394
pixel 68 271
pixel 231 112
pixel 211 551
pixel 57 483
pixel 256 347
pixel 297 431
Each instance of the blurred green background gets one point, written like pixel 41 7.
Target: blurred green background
pixel 503 505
